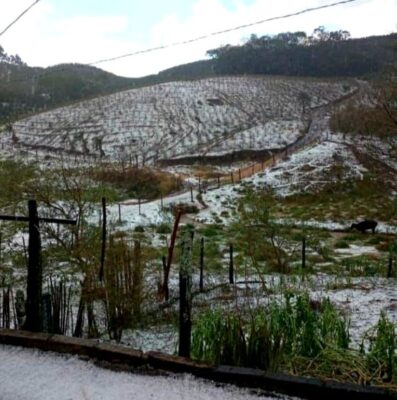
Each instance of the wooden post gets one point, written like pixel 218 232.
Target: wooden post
pixel 231 266
pixel 164 263
pixel 191 194
pixel 390 267
pixel 6 319
pixel 231 177
pixel 103 247
pixel 34 315
pixel 137 279
pixel 199 184
pixel 303 253
pixel 47 313
pixel 139 206
pixel 165 288
pixel 119 213
pixel 202 265
pixel 35 273
pixel 185 324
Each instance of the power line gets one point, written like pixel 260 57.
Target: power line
pixel 236 28
pixel 18 18
pixel 183 42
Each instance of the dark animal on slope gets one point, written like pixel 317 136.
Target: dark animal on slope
pixel 363 226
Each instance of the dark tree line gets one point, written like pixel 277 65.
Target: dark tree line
pixel 297 54
pixel 10 59
pixel 25 90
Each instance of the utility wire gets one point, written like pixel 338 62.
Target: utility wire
pixel 18 18
pixel 183 42
pixel 236 28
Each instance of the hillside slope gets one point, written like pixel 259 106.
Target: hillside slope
pixel 185 120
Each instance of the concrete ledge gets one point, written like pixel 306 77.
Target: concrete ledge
pixel 307 388
pixel 71 345
pixel 48 342
pixel 123 358
pixel 177 364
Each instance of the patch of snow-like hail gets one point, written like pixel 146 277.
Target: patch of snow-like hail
pixel 312 168
pixel 30 374
pixel 176 119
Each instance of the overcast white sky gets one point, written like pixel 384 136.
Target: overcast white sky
pixel 58 31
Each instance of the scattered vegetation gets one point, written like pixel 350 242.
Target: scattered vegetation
pixel 267 337
pixel 139 183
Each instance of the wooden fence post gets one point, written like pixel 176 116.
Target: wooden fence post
pixel 191 194
pixel 390 267
pixel 119 214
pixel 103 245
pixel 164 287
pixel 202 265
pixel 185 271
pixel 231 266
pixel 303 253
pixel 137 280
pixel 35 273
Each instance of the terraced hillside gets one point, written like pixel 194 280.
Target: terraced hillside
pixel 211 117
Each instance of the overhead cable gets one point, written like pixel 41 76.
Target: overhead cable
pixel 18 18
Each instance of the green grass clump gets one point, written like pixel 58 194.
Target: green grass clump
pixel 342 244
pixel 364 266
pixel 382 353
pixel 211 230
pixel 163 228
pixel 271 335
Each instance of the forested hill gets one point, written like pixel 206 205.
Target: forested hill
pixel 323 54
pixel 24 89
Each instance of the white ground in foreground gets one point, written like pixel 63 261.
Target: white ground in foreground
pixel 31 374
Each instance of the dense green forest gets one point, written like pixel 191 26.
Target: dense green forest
pixel 323 54
pixel 25 90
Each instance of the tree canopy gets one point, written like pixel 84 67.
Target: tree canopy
pixel 324 53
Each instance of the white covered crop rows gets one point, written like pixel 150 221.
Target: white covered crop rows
pixel 177 119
